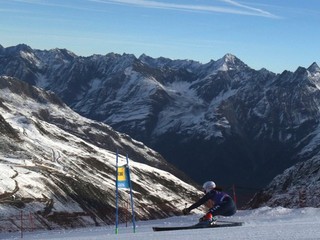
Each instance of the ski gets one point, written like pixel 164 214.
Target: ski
pixel 197 226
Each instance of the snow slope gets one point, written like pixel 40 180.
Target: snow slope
pixel 55 162
pixel 263 224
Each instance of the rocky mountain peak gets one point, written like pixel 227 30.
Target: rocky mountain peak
pixel 229 58
pixel 63 53
pixel 17 50
pixel 314 68
pixel 22 47
pixel 228 62
pixel 154 62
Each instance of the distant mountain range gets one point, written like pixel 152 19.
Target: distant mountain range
pixel 221 120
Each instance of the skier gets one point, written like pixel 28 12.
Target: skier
pixel 218 202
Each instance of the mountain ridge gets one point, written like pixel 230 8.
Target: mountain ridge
pixel 223 113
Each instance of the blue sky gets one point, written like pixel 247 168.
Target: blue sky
pixel 276 34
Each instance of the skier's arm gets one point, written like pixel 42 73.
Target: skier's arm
pixel 201 201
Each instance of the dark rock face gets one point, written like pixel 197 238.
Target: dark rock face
pixel 297 186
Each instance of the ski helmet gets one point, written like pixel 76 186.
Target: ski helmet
pixel 208 186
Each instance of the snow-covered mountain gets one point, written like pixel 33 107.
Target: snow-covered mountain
pixel 220 120
pixel 60 166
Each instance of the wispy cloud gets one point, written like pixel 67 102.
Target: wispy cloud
pixel 232 7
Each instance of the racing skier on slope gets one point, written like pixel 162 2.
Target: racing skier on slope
pixel 218 202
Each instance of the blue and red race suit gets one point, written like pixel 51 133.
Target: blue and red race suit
pixel 222 203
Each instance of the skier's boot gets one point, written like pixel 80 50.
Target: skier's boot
pixel 207 220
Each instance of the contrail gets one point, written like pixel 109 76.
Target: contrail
pixel 240 8
pixel 247 7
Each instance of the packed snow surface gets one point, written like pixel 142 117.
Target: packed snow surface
pixel 263 223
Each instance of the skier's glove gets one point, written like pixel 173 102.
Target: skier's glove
pixel 186 211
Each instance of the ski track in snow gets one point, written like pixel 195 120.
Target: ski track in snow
pixel 264 224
